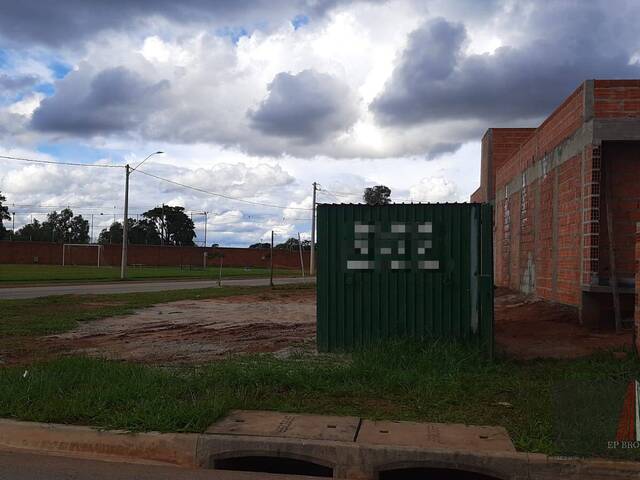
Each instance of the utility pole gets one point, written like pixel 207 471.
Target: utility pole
pixel 271 261
pixel 125 238
pixel 312 254
pixel 301 258
pixel 162 225
pixel 205 228
pixel 91 239
pixel 13 226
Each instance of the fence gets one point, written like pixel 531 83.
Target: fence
pixel 148 255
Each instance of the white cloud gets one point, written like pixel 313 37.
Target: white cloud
pixel 434 190
pixel 27 105
pixel 177 81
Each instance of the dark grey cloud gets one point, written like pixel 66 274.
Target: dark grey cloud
pixel 112 100
pixel 9 83
pixel 307 107
pixel 64 22
pixel 563 43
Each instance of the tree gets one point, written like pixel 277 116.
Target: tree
pixel 260 245
pixel 64 227
pixel 174 226
pixel 34 232
pixel 4 215
pixel 113 234
pixel 293 244
pixel 61 227
pixel 141 232
pixel 378 195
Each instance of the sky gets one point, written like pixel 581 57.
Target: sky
pixel 256 100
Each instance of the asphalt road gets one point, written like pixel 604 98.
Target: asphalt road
pixel 135 286
pixel 30 466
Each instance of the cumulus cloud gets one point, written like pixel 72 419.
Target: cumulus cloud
pixel 115 99
pixel 65 22
pixel 14 83
pixel 364 89
pixel 434 189
pixel 238 179
pixel 558 48
pixel 309 107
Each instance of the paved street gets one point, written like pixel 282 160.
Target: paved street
pixel 30 466
pixel 133 286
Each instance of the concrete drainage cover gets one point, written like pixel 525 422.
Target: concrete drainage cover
pixel 287 425
pixel 435 435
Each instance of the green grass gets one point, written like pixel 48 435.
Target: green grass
pixel 435 382
pixel 10 274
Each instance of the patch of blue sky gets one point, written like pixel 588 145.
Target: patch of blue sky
pixel 77 152
pixel 234 33
pixel 47 88
pixel 59 69
pixel 299 21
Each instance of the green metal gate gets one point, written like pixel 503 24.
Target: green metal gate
pixel 404 270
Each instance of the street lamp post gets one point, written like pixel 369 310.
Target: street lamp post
pixel 125 238
pixel 205 224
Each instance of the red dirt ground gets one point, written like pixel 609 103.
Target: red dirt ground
pixel 527 327
pixel 199 331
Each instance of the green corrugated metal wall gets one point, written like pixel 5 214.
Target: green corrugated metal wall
pixel 378 277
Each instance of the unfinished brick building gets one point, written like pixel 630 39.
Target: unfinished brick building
pixel 552 188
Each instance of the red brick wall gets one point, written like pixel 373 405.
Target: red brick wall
pixel 551 229
pixel 637 310
pixel 569 232
pixel 556 224
pixel 616 98
pixel 526 256
pixel 498 145
pixel 505 143
pixel 621 160
pixel 51 254
pixel 563 122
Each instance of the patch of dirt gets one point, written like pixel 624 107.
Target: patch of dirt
pixel 197 331
pixel 528 327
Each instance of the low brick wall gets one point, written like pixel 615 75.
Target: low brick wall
pixel 149 255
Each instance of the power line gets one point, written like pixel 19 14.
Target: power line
pixel 339 194
pixel 220 194
pixel 154 176
pixel 24 209
pixel 60 163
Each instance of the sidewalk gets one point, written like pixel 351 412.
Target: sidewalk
pixel 306 441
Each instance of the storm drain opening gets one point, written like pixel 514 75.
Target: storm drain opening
pixel 432 474
pixel 266 464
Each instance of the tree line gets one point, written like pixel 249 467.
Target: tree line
pixel 159 226
pixel 164 225
pixel 291 244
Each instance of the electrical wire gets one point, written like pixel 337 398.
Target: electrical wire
pixel 339 194
pixel 60 163
pixel 201 190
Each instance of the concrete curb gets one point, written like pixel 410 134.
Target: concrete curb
pixel 167 448
pixel 349 459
